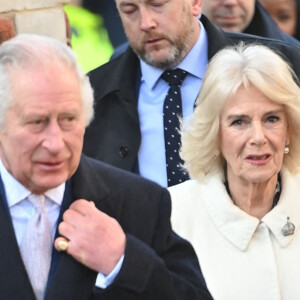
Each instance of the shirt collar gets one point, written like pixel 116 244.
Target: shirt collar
pixel 16 192
pixel 237 226
pixel 195 62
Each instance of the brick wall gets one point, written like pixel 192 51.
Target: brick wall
pixel 32 16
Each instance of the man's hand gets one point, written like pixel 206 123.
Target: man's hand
pixel 94 238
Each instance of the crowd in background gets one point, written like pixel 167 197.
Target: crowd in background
pixel 97 29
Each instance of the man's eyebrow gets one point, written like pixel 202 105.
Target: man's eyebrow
pixel 125 3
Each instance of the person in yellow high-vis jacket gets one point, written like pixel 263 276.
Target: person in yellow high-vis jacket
pixel 89 38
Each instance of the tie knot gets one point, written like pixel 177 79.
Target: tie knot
pixel 174 77
pixel 38 201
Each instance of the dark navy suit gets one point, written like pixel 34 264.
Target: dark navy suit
pixel 157 265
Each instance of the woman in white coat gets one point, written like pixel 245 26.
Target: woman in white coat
pixel 241 210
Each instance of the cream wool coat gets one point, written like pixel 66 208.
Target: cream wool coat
pixel 241 258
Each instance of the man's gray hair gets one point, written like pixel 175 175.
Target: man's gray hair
pixel 30 51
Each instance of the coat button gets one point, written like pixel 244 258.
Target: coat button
pixel 123 151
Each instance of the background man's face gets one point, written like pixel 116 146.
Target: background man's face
pixel 42 140
pixel 231 15
pixel 160 32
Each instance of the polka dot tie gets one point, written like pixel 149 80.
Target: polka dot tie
pixel 173 110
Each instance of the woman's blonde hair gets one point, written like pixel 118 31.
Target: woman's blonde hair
pixel 230 69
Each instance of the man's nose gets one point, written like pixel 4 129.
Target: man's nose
pixel 53 137
pixel 146 19
pixel 229 2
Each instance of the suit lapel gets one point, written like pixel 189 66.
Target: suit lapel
pixel 68 278
pixel 14 282
pixel 216 37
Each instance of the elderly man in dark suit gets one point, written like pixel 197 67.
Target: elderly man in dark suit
pixel 110 229
pixel 128 130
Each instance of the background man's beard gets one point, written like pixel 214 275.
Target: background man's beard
pixel 176 54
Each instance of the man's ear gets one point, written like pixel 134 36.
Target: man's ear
pixel 196 7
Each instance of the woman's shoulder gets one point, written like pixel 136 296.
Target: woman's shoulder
pixel 189 187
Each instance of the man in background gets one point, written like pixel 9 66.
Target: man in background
pixel 88 36
pixel 247 16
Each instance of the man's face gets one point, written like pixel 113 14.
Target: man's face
pixel 231 15
pixel 42 140
pixel 161 32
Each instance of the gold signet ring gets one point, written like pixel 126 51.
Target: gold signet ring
pixel 63 245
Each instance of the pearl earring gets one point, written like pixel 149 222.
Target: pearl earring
pixel 286 150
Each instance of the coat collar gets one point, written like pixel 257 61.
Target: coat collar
pixel 87 183
pixel 70 279
pixel 217 38
pixel 237 226
pixel 263 25
pixel 14 282
pixel 123 72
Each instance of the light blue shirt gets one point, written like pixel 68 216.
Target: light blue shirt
pixel 21 211
pixel 152 93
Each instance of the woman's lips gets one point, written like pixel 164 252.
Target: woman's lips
pixel 258 159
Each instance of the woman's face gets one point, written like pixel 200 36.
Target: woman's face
pixel 284 12
pixel 253 135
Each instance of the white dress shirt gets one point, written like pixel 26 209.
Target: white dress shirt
pixel 21 211
pixel 152 93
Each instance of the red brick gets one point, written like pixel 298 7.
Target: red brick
pixel 7 29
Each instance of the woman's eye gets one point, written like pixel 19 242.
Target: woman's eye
pixel 158 3
pixel 37 122
pixel 284 17
pixel 273 119
pixel 237 122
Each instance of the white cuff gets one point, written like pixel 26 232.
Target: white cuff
pixel 103 281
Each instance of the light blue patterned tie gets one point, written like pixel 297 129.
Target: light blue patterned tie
pixel 36 246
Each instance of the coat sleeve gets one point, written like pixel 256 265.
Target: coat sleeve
pixel 161 267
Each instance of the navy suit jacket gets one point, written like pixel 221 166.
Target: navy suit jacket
pixel 158 264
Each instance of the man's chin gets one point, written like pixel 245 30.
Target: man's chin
pixel 46 183
pixel 158 60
